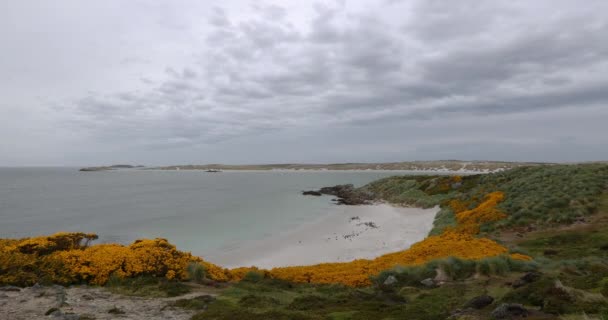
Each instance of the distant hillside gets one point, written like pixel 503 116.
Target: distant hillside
pixel 440 165
pixel 112 167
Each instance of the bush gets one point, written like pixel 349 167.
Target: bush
pixel 196 272
pixel 254 276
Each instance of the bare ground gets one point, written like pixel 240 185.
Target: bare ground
pixel 83 302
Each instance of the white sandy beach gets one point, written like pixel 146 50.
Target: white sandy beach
pixel 344 234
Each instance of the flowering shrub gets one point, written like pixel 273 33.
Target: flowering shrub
pixel 64 258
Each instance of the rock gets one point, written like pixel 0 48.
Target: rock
pixel 37 286
pixel 390 280
pixel 479 302
pixel 461 314
pixel 441 276
pixel 456 185
pixel 531 276
pixel 428 282
pixel 338 190
pixel 87 297
pixel 312 193
pixel 509 310
pixel 54 312
pixel 526 279
pixel 116 310
pixel 10 289
pixel 3 296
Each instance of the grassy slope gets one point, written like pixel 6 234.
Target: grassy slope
pixel 546 200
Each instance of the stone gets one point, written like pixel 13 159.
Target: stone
pixel 428 282
pixel 87 297
pixel 526 279
pixel 390 280
pixel 509 311
pixel 479 302
pixel 441 276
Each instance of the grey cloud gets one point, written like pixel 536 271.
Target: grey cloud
pixel 360 68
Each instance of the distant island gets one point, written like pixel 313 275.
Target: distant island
pixel 112 167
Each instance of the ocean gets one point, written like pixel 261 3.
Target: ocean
pixel 197 211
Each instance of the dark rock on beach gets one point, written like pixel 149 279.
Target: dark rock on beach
pixel 346 194
pixel 312 193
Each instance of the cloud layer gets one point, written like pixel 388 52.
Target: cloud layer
pixel 284 82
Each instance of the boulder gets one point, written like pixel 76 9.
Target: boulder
pixel 390 280
pixel 526 279
pixel 509 311
pixel 479 302
pixel 428 282
pixel 441 276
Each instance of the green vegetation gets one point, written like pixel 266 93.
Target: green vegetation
pixel 196 272
pixel 147 286
pixel 534 196
pixel 568 276
pixel 556 214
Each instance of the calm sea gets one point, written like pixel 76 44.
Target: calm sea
pixel 197 211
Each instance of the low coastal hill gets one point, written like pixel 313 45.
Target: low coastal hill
pixel 529 242
pixel 112 167
pixel 439 165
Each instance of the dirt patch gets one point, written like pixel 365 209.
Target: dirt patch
pixel 83 302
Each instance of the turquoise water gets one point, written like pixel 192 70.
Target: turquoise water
pixel 197 211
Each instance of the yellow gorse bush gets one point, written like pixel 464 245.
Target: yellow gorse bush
pixel 68 258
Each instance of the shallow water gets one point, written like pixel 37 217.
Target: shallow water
pixel 199 212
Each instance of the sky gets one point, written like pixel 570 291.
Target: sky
pixel 246 82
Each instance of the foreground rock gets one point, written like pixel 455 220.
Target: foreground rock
pixel 510 311
pixel 347 194
pixel 84 302
pixel 479 302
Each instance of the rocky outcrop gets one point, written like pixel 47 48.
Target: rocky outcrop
pixel 346 194
pixel 312 193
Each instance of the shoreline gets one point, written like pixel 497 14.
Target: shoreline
pixel 345 234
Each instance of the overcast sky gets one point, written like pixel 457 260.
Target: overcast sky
pixel 178 82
